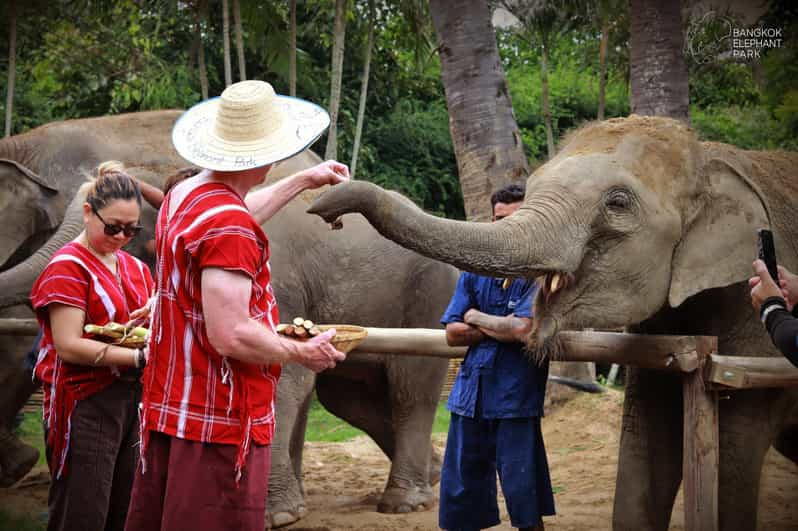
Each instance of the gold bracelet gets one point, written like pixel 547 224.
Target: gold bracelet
pixel 101 354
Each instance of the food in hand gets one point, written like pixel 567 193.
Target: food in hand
pixel 300 329
pixel 118 334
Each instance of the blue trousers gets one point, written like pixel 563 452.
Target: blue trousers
pixel 476 450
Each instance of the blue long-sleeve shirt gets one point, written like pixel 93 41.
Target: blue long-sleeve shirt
pixel 499 376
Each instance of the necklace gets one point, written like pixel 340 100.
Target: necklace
pixel 112 265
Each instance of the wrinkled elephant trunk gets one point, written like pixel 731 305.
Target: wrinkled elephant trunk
pixel 521 245
pixel 18 281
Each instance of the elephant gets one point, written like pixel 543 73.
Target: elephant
pixel 40 172
pixel 357 277
pixel 636 223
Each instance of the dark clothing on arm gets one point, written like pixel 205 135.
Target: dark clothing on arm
pixel 782 327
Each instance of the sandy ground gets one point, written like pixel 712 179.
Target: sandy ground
pixel 343 480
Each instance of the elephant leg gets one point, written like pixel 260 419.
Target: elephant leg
pixel 408 488
pixel 650 455
pixel 787 443
pixel 435 464
pixel 286 502
pixel 747 429
pixel 16 457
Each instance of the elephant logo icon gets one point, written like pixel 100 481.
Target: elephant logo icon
pixel 708 37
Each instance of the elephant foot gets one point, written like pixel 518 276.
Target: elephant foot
pixel 397 500
pixel 284 518
pixel 434 471
pixel 16 459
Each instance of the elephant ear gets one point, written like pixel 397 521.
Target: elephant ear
pixel 719 243
pixel 33 176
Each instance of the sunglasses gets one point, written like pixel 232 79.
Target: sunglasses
pixel 112 229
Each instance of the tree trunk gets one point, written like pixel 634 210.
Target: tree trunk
pixel 12 63
pixel 658 69
pixel 228 70
pixel 242 67
pixel 487 143
pixel 361 110
pixel 292 53
pixel 605 28
pixel 339 37
pixel 544 82
pixel 202 16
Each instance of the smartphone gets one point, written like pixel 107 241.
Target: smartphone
pixel 767 252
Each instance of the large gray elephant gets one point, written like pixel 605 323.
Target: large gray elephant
pixel 355 276
pixel 637 223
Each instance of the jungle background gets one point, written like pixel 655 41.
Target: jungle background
pixel 75 59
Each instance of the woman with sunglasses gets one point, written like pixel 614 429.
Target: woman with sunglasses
pixel 92 389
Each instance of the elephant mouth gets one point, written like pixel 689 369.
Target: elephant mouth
pixel 554 283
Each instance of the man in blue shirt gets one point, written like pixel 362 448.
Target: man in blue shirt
pixel 496 403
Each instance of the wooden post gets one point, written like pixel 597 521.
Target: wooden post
pixel 700 462
pixel 22 327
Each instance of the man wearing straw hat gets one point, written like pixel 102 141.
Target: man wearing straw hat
pixel 207 414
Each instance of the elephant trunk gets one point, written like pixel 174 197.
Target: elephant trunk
pixel 521 245
pixel 18 281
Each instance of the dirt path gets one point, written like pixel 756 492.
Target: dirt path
pixel 343 480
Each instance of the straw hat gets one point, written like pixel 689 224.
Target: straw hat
pixel 247 127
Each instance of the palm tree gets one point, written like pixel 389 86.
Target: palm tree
pixel 292 51
pixel 658 70
pixel 339 37
pixel 242 67
pixel 201 16
pixel 543 21
pixel 361 110
pixel 228 70
pixel 12 63
pixel 487 142
pixel 605 16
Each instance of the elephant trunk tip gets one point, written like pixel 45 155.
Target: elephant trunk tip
pixel 543 342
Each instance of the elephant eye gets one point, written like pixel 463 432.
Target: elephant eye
pixel 618 199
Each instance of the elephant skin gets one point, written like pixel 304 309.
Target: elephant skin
pixel 354 276
pixel 635 223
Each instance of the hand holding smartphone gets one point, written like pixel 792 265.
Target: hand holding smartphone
pixel 766 252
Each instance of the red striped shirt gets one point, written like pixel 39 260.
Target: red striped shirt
pixel 190 390
pixel 75 277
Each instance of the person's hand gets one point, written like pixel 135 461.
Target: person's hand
pixel 320 354
pixel 468 317
pixel 789 286
pixel 142 314
pixel 328 172
pixel 762 285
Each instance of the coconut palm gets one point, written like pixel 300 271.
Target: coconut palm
pixel 487 142
pixel 658 70
pixel 339 37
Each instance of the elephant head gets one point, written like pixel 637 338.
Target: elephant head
pixel 33 202
pixel 633 214
pixel 18 280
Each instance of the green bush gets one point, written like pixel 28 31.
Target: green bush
pixel 751 127
pixel 573 100
pixel 410 150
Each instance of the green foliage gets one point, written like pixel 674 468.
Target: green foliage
pixel 31 432
pixel 411 152
pixel 323 426
pixel 573 96
pixel 20 522
pixel 750 127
